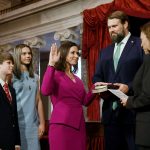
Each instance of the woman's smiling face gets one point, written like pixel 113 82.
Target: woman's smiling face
pixel 73 56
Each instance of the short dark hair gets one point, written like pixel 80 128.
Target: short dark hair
pixel 119 15
pixel 64 50
pixel 146 30
pixel 5 56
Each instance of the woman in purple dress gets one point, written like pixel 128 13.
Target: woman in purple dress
pixel 67 124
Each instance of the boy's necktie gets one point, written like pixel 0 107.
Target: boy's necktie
pixel 6 89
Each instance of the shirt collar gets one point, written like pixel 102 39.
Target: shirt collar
pixel 126 38
pixel 2 82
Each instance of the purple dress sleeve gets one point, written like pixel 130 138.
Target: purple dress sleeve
pixel 48 81
pixel 88 97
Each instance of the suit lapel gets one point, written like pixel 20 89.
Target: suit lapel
pixel 126 50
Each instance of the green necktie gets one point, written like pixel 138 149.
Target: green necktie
pixel 116 59
pixel 114 105
pixel 117 56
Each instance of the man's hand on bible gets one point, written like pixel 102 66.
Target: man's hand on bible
pixel 122 87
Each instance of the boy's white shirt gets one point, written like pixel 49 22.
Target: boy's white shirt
pixel 2 82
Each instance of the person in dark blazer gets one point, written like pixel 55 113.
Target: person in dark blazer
pixel 9 130
pixel 141 99
pixel 120 70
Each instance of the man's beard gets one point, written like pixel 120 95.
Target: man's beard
pixel 118 37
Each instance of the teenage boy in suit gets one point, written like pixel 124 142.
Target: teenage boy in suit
pixel 9 130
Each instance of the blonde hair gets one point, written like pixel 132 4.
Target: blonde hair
pixel 146 30
pixel 17 61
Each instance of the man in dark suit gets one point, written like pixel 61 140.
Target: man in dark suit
pixel 9 130
pixel 118 64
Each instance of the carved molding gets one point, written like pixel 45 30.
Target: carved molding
pixel 32 8
pixel 67 34
pixel 53 19
pixel 35 42
pixel 7 47
pixel 47 4
pixel 53 26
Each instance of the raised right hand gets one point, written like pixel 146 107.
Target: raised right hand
pixel 54 55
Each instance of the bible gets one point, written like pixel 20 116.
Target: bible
pixel 107 91
pixel 103 88
pixel 100 88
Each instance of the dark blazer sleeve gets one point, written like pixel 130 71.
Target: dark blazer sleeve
pixel 141 87
pixel 98 76
pixel 17 131
pixel 103 65
pixel 140 53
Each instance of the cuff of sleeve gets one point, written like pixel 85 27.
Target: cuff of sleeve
pixel 17 146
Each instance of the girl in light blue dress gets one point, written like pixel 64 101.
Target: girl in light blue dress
pixel 29 104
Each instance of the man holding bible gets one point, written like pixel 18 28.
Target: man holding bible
pixel 118 63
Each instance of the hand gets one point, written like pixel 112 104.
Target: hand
pixel 17 147
pixel 41 130
pixel 122 87
pixel 54 55
pixel 124 102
